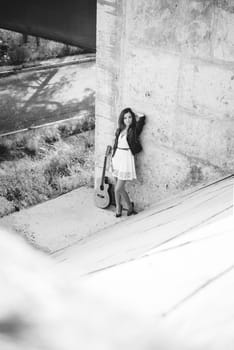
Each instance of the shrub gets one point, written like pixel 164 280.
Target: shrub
pixel 39 170
pixel 18 54
pixel 51 135
pixel 6 207
pixel 31 51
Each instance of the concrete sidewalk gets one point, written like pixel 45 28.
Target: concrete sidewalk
pixel 157 226
pixel 172 264
pixel 61 222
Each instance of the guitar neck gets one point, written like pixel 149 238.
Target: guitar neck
pixel 103 171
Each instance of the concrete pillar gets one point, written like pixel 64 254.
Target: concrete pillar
pixel 174 61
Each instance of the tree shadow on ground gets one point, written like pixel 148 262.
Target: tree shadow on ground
pixel 30 101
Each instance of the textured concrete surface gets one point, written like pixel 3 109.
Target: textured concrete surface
pixel 152 228
pixel 162 279
pixel 60 222
pixel 173 61
pixel 173 263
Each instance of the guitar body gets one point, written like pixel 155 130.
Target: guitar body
pixel 102 197
pixel 103 194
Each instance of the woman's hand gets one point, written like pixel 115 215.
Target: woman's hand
pixel 140 114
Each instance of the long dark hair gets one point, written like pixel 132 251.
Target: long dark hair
pixel 121 124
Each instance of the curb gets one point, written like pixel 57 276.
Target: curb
pixel 40 126
pixel 22 69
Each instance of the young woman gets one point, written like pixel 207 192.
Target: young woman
pixel 126 145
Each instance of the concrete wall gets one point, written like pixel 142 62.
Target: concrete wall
pixel 174 61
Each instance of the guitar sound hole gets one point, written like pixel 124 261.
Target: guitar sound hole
pixel 101 187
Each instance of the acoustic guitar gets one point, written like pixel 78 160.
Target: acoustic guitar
pixel 102 195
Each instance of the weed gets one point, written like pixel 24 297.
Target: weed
pixel 38 170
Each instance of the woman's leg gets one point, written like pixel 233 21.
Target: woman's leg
pixel 121 192
pixel 118 190
pixel 125 195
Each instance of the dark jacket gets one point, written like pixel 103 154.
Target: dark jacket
pixel 132 137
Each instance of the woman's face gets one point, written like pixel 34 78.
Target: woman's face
pixel 127 119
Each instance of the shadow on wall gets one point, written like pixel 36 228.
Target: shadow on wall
pixel 40 98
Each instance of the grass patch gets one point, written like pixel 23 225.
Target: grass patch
pixel 43 164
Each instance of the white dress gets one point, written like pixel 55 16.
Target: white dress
pixel 123 162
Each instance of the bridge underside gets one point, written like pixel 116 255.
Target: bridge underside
pixel 72 22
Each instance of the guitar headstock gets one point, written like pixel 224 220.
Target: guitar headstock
pixel 108 150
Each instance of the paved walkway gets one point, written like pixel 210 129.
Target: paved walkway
pixel 173 263
pixel 171 266
pixel 152 229
pixel 61 222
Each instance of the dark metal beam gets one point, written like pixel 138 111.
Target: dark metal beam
pixel 69 21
